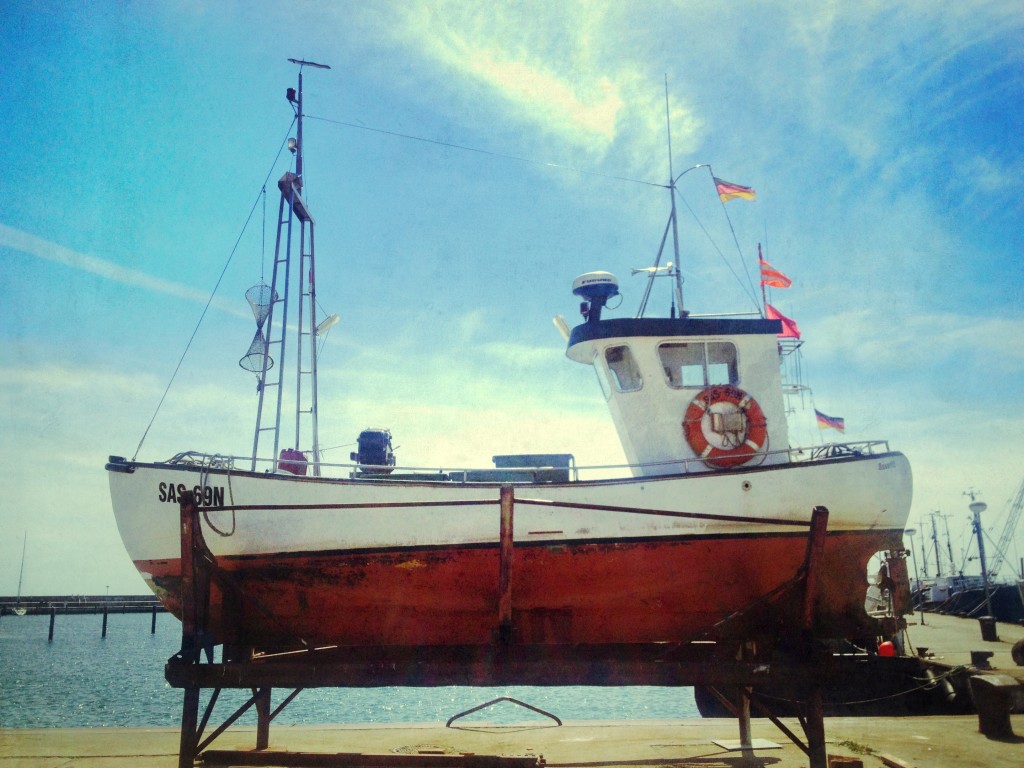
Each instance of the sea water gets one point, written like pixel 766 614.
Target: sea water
pixel 81 679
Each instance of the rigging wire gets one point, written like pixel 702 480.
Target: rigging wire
pixel 545 164
pixel 503 155
pixel 209 301
pixel 735 240
pixel 263 247
pixel 718 250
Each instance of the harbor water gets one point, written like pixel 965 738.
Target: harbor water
pixel 81 679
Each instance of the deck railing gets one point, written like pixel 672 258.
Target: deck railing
pixel 543 474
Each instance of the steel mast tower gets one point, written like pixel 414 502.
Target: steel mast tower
pixel 293 214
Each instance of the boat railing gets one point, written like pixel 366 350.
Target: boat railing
pixel 538 474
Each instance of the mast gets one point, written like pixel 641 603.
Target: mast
pixel 977 507
pixel 291 185
pixel 935 542
pixel 672 269
pixel 21 573
pixel 672 194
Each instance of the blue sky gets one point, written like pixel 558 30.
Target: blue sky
pixel 884 143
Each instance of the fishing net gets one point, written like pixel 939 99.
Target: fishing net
pixel 257 360
pixel 261 300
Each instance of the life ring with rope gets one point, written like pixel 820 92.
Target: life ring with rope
pixel 735 421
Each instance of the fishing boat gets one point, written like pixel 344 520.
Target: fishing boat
pixel 703 536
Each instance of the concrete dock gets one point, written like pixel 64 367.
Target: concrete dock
pixel 951 640
pixel 922 742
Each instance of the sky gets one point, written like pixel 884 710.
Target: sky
pixel 465 161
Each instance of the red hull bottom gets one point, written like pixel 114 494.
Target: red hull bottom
pixel 621 592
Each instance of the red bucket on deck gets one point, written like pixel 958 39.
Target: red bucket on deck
pixel 293 461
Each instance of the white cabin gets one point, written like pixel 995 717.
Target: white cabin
pixel 688 394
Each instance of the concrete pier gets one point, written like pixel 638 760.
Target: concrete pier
pixel 952 640
pixel 926 742
pixel 943 741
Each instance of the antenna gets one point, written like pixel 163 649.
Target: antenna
pixel 672 269
pixel 672 194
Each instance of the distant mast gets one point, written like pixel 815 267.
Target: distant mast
pixel 21 573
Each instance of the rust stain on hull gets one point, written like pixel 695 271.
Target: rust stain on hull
pixel 619 592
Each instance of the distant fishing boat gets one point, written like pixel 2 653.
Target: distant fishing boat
pixel 703 535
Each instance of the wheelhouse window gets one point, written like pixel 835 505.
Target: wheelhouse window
pixel 623 367
pixel 698 364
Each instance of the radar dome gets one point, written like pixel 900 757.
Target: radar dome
pixel 596 286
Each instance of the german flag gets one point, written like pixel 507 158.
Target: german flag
pixel 728 191
pixel 829 422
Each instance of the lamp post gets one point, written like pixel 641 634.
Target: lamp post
pixel 920 588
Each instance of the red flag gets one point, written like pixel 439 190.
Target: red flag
pixel 727 190
pixel 789 327
pixel 771 276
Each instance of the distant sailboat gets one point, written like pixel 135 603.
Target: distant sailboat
pixel 18 610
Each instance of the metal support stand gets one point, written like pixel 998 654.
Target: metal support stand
pixel 262 697
pixel 504 662
pixel 814 722
pixel 812 717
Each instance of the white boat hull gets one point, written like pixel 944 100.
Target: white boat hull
pixel 388 562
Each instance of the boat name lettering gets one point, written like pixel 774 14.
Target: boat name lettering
pixel 206 495
pixel 886 464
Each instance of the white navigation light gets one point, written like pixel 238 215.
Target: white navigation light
pixel 326 324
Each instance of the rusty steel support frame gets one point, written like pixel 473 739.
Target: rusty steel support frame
pixel 503 663
pixel 813 721
pixel 812 718
pixel 505 546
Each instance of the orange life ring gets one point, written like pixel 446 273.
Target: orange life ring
pixel 740 445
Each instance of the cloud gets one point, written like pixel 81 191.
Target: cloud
pixel 989 177
pixel 564 68
pixel 918 341
pixel 32 245
pixel 542 72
